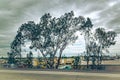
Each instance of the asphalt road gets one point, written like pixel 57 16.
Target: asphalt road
pixel 55 75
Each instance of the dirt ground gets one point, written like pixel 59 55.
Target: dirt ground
pixel 111 62
pixel 57 75
pixel 50 75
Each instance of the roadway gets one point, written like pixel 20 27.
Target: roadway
pixel 55 75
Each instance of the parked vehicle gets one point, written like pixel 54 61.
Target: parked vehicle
pixel 65 67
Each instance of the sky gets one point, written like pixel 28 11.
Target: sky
pixel 13 13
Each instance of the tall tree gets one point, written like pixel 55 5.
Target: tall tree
pixel 86 28
pixel 104 40
pixel 99 41
pixel 16 47
pixel 52 35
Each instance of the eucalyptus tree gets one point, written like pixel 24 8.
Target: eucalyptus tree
pixel 15 48
pixel 86 29
pixel 56 34
pixel 93 49
pixel 52 35
pixel 39 35
pixel 104 40
pixel 97 42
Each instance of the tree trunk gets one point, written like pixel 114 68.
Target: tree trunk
pixel 58 62
pixel 52 57
pixel 20 57
pixel 87 58
pixel 87 61
pixel 86 37
pixel 51 62
pixel 99 55
pixel 60 54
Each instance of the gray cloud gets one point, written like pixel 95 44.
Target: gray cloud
pixel 15 12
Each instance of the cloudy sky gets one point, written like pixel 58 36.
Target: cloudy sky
pixel 104 13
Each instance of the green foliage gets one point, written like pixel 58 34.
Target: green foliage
pixel 50 35
pixel 105 39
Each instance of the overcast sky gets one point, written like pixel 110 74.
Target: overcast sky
pixel 104 13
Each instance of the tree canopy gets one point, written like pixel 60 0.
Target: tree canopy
pixel 52 35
